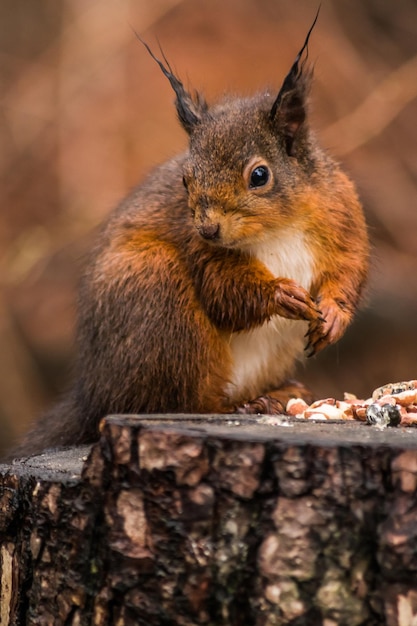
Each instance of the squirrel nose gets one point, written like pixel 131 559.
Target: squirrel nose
pixel 209 231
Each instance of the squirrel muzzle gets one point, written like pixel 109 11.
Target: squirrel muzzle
pixel 207 220
pixel 209 231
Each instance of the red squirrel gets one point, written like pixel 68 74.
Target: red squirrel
pixel 213 277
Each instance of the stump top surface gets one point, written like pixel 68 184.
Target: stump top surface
pixel 265 428
pixel 62 465
pixel 66 465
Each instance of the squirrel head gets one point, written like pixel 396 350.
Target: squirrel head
pixel 246 157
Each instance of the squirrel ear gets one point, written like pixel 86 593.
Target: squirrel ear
pixel 289 108
pixel 190 109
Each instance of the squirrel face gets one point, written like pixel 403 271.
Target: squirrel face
pixel 238 174
pixel 246 157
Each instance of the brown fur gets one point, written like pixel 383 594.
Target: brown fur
pixel 162 296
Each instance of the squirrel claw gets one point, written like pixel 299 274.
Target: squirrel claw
pixel 310 349
pixel 328 328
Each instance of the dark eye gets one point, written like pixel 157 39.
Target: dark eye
pixel 259 176
pixel 184 182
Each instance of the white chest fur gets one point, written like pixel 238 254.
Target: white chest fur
pixel 264 357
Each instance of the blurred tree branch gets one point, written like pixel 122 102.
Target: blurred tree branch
pixel 376 112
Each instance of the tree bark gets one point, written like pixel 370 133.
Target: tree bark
pixel 216 521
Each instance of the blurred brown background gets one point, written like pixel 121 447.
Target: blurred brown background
pixel 85 113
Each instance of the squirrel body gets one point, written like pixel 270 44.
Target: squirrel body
pixel 208 281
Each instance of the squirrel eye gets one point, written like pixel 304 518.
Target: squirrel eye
pixel 184 182
pixel 259 176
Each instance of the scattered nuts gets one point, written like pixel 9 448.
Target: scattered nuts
pixel 391 405
pixel 329 411
pixel 296 406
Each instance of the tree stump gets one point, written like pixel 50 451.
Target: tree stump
pixel 214 520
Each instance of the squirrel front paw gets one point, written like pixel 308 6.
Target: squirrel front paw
pixel 294 302
pixel 264 405
pixel 335 318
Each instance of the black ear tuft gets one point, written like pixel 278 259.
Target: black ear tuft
pixel 289 107
pixel 190 109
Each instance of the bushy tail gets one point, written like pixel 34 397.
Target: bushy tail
pixel 61 426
